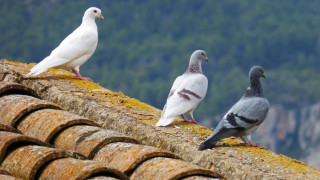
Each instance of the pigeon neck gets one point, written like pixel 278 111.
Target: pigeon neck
pixel 87 20
pixel 255 87
pixel 194 67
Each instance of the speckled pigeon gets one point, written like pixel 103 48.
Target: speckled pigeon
pixel 75 49
pixel 245 116
pixel 187 91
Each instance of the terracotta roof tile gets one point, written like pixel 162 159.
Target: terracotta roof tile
pixel 5 175
pixel 74 137
pixel 14 88
pixel 8 177
pixel 88 140
pixel 127 156
pixel 4 127
pixel 101 178
pixel 25 161
pixel 115 111
pixel 35 125
pixel 14 107
pixel 198 178
pixel 167 168
pixel 70 168
pixel 10 140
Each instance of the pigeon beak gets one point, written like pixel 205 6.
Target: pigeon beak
pixel 207 60
pixel 263 76
pixel 101 17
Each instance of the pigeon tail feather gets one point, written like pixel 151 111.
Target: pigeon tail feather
pixel 216 136
pixel 164 121
pixel 208 144
pixel 211 141
pixel 37 71
pixel 40 67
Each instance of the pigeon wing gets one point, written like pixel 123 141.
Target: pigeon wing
pixel 248 112
pixel 175 85
pixel 188 94
pixel 80 43
pixel 244 117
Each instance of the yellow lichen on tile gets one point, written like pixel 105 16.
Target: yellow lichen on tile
pixel 177 137
pixel 274 160
pixel 86 84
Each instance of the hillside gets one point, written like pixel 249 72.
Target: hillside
pixel 144 45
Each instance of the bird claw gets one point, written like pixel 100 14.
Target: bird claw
pixel 82 78
pixel 250 144
pixel 190 121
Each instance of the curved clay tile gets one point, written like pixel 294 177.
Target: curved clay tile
pixel 4 172
pixel 4 127
pixel 24 162
pixel 10 139
pixel 15 88
pixel 5 175
pixel 69 168
pixel 165 168
pixel 46 123
pixel 14 107
pixel 126 156
pixel 199 178
pixel 87 140
pixel 8 177
pixel 101 178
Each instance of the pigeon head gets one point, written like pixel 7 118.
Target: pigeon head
pixel 256 72
pixel 93 13
pixel 199 55
pixel 195 61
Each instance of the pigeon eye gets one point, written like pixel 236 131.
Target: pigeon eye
pixel 202 54
pixel 95 11
pixel 261 70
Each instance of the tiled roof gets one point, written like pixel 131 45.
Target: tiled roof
pixel 40 140
pixel 131 120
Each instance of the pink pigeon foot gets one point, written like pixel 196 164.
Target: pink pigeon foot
pixel 188 121
pixel 250 143
pixel 78 76
pixel 183 118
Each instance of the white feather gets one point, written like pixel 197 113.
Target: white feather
pixel 75 49
pixel 176 105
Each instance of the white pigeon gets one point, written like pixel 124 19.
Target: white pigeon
pixel 187 91
pixel 75 49
pixel 245 116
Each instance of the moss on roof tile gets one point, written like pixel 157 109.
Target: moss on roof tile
pixel 136 119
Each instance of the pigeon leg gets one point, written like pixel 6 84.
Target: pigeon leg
pixel 183 118
pixel 250 143
pixel 78 76
pixel 244 141
pixel 242 138
pixel 190 121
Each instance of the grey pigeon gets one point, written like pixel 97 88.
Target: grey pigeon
pixel 245 116
pixel 75 49
pixel 187 91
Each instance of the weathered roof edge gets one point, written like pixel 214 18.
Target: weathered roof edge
pixel 136 119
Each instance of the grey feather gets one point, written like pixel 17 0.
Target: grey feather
pixel 245 116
